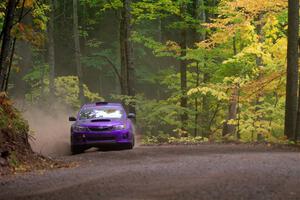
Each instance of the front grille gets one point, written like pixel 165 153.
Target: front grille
pixel 100 129
pixel 98 138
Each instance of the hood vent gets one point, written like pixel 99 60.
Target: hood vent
pixel 100 120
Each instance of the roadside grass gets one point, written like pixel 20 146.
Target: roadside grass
pixel 163 139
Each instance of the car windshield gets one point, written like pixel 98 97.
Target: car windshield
pixel 101 113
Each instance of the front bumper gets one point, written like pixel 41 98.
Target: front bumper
pixel 92 139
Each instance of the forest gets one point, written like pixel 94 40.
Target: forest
pixel 192 70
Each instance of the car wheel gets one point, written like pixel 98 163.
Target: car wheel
pixel 131 145
pixel 76 150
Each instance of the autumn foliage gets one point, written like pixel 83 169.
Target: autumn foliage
pixel 226 59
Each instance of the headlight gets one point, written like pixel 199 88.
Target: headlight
pixel 80 129
pixel 119 127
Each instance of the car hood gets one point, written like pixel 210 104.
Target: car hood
pixel 89 123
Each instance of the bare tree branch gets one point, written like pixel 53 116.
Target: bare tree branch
pixel 114 68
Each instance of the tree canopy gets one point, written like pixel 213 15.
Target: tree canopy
pixel 198 69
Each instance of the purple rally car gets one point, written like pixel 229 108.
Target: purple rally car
pixel 101 124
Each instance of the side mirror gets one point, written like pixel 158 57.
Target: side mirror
pixel 72 119
pixel 131 116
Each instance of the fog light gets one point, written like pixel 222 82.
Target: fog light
pixel 125 136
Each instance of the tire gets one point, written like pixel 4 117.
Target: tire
pixel 131 145
pixel 77 150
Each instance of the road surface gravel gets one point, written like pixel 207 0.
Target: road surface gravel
pixel 166 172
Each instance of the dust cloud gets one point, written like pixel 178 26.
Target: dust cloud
pixel 50 130
pixel 137 135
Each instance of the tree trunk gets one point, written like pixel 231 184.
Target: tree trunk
pixel 6 42
pixel 51 50
pixel 232 113
pixel 198 13
pixel 13 50
pixel 77 50
pixel 127 65
pixel 205 110
pixel 195 38
pixel 232 108
pixel 158 60
pixel 124 84
pixel 260 64
pixel 292 70
pixel 183 80
pixel 129 54
pixel 297 131
pixel 183 73
pixel 42 82
pixel 196 120
pixel 25 63
pixel 205 16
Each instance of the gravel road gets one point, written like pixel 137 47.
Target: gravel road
pixel 166 172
